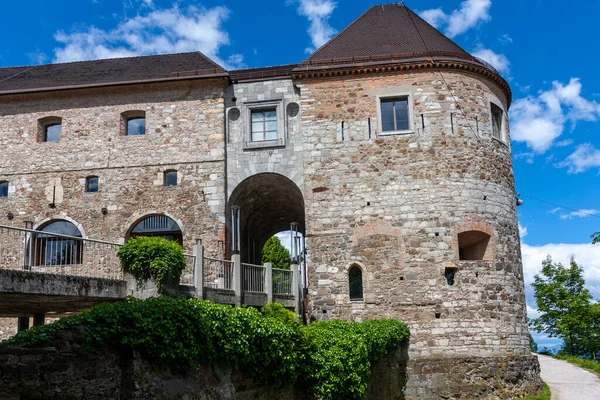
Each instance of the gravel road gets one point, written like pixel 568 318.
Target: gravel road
pixel 568 382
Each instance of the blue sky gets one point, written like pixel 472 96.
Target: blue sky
pixel 547 50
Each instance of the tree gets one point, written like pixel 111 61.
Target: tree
pixel 563 302
pixel 596 238
pixel 532 344
pixel 274 252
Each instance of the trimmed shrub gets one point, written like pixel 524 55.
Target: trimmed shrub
pixel 154 258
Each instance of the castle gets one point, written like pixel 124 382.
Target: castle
pixel 389 147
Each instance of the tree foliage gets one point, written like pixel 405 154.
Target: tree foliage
pixel 532 344
pixel 331 359
pixel 274 252
pixel 596 238
pixel 565 305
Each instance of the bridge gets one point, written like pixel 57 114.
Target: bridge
pixel 43 274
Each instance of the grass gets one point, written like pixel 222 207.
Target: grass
pixel 585 363
pixel 544 395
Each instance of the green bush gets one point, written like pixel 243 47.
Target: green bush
pixel 154 258
pixel 277 311
pixel 332 358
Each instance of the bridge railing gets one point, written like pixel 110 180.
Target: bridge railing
pixel 218 274
pixel 51 253
pixel 283 281
pixel 253 278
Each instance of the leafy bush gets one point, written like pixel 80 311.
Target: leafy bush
pixel 154 258
pixel 277 311
pixel 333 358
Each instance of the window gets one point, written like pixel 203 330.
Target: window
pixel 91 184
pixel 50 249
pixel 264 125
pixel 472 245
pixel 449 274
pixel 49 129
pixel 133 123
pixel 497 119
pixel 3 189
pixel 356 284
pixel 170 178
pixel 157 225
pixel 395 114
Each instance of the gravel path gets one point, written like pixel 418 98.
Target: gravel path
pixel 568 382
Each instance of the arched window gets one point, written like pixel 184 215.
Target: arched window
pixel 170 178
pixel 91 184
pixel 157 225
pixel 3 189
pixel 472 245
pixel 356 283
pixel 52 247
pixel 133 123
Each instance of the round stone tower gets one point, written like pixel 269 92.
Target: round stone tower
pixel 411 205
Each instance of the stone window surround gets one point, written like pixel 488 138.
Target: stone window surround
pixel 411 120
pixel 87 184
pixel 502 138
pixel 168 171
pixel 247 109
pixel 45 122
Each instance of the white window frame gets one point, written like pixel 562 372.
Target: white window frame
pixel 381 99
pixel 502 122
pixel 248 108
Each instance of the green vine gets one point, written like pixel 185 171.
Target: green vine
pixel 332 359
pixel 152 258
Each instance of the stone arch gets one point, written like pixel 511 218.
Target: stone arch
pixel 47 249
pixel 268 203
pixel 42 223
pixel 379 242
pixel 477 235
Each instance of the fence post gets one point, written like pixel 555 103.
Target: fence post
pixel 295 291
pixel 237 278
pixel 199 269
pixel 269 281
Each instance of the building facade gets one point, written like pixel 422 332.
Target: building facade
pixel 392 155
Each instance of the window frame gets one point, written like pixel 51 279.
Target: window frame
pixel 493 121
pixel 87 184
pixel 167 172
pixel 362 283
pixel 395 97
pixel 264 121
pixel 131 115
pixel 280 117
pixel 7 183
pixel 44 124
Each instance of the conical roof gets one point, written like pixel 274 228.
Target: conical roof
pixel 387 30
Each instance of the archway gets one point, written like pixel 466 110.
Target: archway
pixel 157 225
pixel 268 204
pixel 52 250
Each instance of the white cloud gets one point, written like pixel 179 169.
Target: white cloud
pixel 540 120
pixel 580 214
pixel 504 39
pixel 318 13
pixel 498 61
pixel 522 231
pixel 583 158
pixel 159 31
pixel 555 210
pixel 470 13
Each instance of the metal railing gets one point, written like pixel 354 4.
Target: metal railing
pixel 51 253
pixel 187 275
pixel 218 274
pixel 283 281
pixel 253 278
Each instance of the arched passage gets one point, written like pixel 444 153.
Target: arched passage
pixel 268 204
pixel 157 225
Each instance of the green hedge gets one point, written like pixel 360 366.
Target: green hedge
pixel 581 362
pixel 154 258
pixel 332 358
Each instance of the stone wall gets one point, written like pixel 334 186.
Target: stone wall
pixel 60 372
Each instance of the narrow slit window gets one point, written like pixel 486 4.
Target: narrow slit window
pixel 395 114
pixel 356 283
pixel 91 184
pixel 450 274
pixel 264 125
pixel 3 189
pixel 497 118
pixel 170 178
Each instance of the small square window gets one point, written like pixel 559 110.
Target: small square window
pixel 52 133
pixel 136 126
pixel 170 178
pixel 497 119
pixel 91 184
pixel 395 114
pixel 3 189
pixel 264 125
